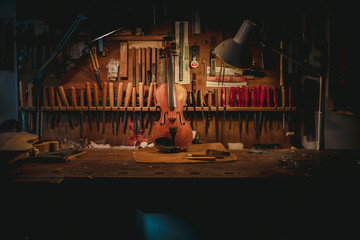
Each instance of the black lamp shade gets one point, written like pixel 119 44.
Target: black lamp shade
pixel 236 51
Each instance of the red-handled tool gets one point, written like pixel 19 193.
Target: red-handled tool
pixel 262 100
pixel 232 100
pixel 223 94
pixel 238 97
pixel 253 103
pixel 257 96
pixel 246 104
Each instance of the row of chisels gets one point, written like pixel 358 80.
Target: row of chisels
pixel 118 99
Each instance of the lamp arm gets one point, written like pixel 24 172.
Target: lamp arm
pixel 286 55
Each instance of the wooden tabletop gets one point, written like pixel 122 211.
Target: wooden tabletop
pixel 119 164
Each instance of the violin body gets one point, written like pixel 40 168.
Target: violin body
pixel 172 132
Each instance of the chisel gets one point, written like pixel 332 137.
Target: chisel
pixel 88 100
pixel 246 104
pixel 253 103
pixel 82 93
pixel 126 104
pixel 65 101
pixel 290 105
pixel 153 64
pixel 268 105
pixel 149 102
pixel 104 100
pixel 96 103
pixel 201 101
pixel 209 103
pixel 58 100
pixel 111 103
pixel 223 99
pixel 262 99
pixel 52 105
pixel 275 100
pixel 73 101
pixel 141 105
pixel 22 104
pixel 238 98
pixel 30 105
pixel 283 106
pixel 217 105
pixel 232 99
pixel 118 104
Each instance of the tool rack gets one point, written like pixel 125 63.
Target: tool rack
pixel 208 129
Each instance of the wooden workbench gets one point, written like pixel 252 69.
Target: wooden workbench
pixel 98 195
pixel 119 164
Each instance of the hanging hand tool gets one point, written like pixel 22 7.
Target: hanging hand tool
pixel 52 105
pixel 133 93
pixel 126 104
pixel 275 101
pixel 212 56
pixel 95 64
pixel 141 105
pixel 104 101
pixel 111 103
pixel 58 100
pixel 204 62
pixel 209 103
pixel 88 100
pixel 283 106
pixel 195 50
pixel 73 102
pixel 268 105
pixel 81 111
pixel 45 109
pixel 290 105
pixel 238 97
pixel 201 101
pixel 232 99
pixel 253 102
pixel 246 104
pixel 149 102
pixel 148 66
pixel 262 98
pixel 96 102
pixel 161 65
pixel 22 97
pixel 30 105
pixel 64 99
pixel 153 64
pixel 118 105
pixel 142 64
pixel 217 105
pixel 223 99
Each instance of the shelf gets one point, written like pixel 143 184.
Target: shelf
pixel 153 109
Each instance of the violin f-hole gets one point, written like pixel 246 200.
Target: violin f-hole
pixel 181 123
pixel 163 123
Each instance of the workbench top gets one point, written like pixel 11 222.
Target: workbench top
pixel 118 164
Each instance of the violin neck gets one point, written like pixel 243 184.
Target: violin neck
pixel 171 86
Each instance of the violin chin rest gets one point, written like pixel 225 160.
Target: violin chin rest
pixel 165 144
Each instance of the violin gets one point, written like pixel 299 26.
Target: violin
pixel 172 133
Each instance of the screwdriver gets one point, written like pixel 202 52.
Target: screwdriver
pixel 253 103
pixel 232 99
pixel 275 101
pixel 246 104
pixel 262 98
pixel 223 93
pixel 238 94
pixel 268 104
